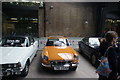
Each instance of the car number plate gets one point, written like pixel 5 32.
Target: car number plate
pixel 61 68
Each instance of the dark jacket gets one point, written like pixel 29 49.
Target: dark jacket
pixel 119 59
pixel 103 47
pixel 119 65
pixel 112 55
pixel 112 59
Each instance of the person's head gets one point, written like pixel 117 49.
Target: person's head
pixel 111 36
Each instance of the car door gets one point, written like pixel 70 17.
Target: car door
pixel 84 46
pixel 87 47
pixel 32 47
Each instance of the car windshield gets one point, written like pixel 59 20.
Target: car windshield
pixel 94 42
pixel 12 41
pixel 57 42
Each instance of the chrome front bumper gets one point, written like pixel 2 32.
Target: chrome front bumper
pixel 46 65
pixel 65 65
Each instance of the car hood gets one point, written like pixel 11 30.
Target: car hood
pixel 12 54
pixel 59 53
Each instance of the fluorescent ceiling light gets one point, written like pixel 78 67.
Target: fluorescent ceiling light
pixel 118 20
pixel 13 18
pixel 36 1
pixel 35 19
pixel 25 0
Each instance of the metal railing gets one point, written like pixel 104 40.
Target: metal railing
pixel 72 40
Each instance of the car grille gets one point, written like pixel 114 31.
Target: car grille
pixel 7 65
pixel 61 62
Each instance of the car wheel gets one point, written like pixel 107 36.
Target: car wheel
pixel 93 60
pixel 44 68
pixel 35 55
pixel 25 70
pixel 74 68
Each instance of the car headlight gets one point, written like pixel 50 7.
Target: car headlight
pixel 45 58
pixel 75 57
pixel 17 65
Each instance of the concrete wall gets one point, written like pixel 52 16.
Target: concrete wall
pixel 67 19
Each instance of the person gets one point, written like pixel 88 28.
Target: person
pixel 118 62
pixel 110 40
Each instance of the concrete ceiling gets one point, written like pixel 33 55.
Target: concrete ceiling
pixel 61 0
pixel 16 10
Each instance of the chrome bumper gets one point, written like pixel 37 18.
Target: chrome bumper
pixel 46 65
pixel 65 65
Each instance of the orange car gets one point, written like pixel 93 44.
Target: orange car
pixel 58 55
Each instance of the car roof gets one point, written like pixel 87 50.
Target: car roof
pixel 57 37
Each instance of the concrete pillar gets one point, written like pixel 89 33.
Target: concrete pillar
pixel 41 22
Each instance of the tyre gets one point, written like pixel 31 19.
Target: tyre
pixel 74 68
pixel 25 70
pixel 93 60
pixel 35 55
pixel 44 68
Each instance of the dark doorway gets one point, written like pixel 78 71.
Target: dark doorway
pixel 20 18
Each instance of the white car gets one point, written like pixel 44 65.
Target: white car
pixel 17 54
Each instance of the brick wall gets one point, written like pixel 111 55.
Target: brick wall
pixel 67 19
